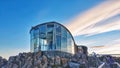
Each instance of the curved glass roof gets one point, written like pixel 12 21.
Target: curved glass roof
pixel 51 36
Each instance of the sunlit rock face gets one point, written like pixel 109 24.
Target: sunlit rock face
pixel 51 36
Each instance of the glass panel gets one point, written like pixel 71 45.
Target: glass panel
pixel 69 42
pixel 42 38
pixel 50 40
pixel 35 43
pixel 64 40
pixel 36 33
pixel 73 48
pixel 32 45
pixel 64 32
pixel 50 27
pixel 42 28
pixel 43 44
pixel 50 36
pixel 58 29
pixel 42 31
pixel 32 34
pixel 63 44
pixel 58 42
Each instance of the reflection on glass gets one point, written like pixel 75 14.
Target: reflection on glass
pixel 64 44
pixel 51 36
pixel 64 32
pixel 58 42
pixel 58 29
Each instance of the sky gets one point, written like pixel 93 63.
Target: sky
pixel 93 23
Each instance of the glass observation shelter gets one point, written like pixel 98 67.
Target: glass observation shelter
pixel 51 36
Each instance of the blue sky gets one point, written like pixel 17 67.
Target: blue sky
pixel 17 17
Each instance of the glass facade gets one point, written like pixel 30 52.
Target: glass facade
pixel 51 37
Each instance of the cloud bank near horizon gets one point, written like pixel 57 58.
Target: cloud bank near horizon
pixel 102 18
pixel 113 48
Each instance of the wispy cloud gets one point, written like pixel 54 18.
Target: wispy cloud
pixel 86 42
pixel 113 48
pixel 85 23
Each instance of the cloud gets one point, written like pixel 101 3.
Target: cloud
pixel 86 42
pixel 113 48
pixel 85 23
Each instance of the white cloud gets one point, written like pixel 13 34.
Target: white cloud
pixel 113 48
pixel 86 42
pixel 84 24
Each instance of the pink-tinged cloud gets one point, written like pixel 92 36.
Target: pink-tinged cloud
pixel 113 48
pixel 84 24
